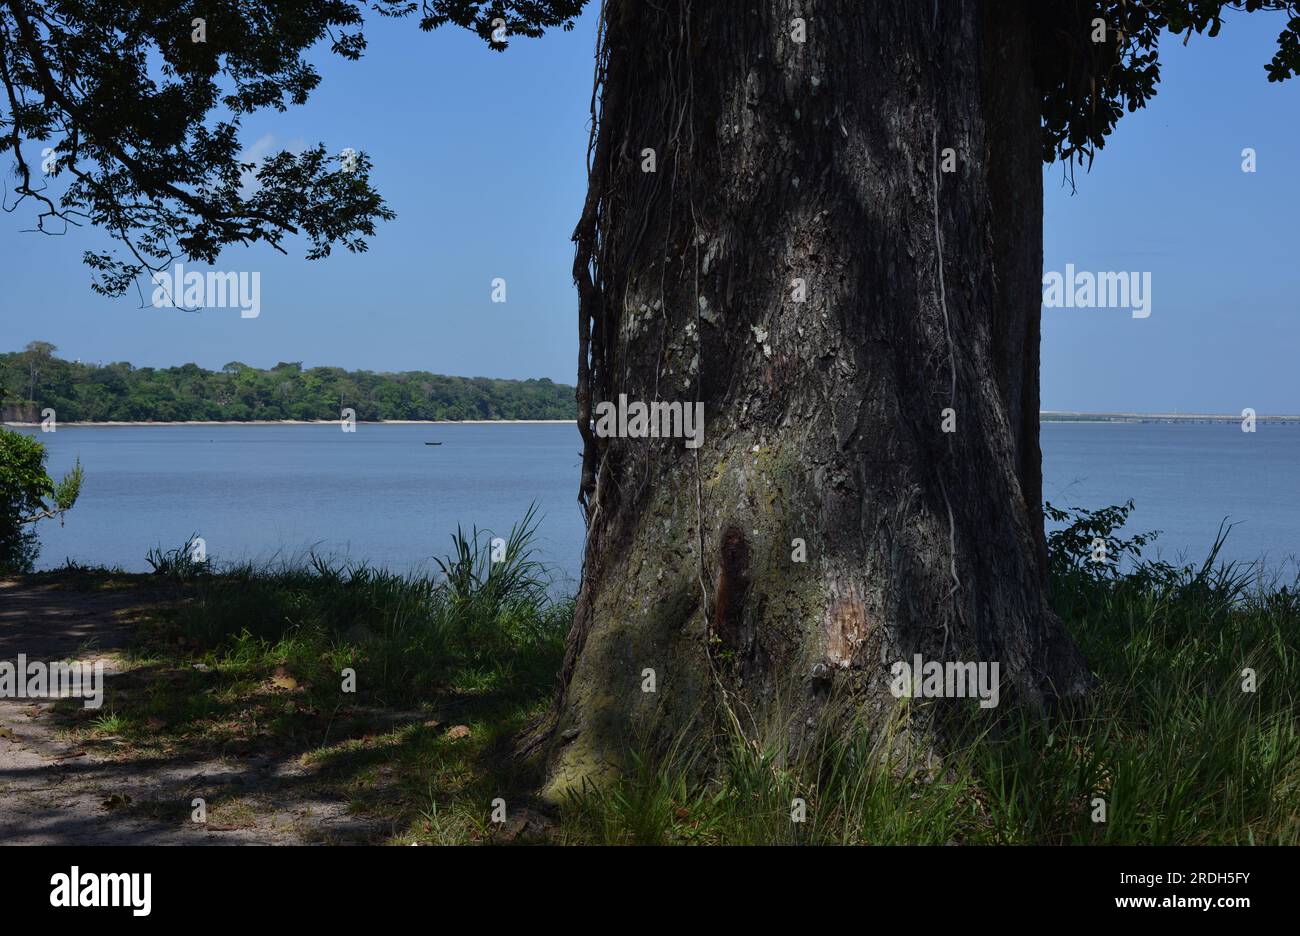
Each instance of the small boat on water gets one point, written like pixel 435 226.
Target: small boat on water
pixel 433 443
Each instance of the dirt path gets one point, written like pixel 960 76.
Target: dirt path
pixel 53 791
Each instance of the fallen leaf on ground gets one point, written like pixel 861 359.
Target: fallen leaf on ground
pixel 526 824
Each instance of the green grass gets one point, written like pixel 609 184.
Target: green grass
pixel 251 661
pixel 1171 743
pixel 481 627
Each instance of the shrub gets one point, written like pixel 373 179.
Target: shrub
pixel 28 494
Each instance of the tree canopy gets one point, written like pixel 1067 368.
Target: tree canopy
pixel 1096 60
pixel 138 108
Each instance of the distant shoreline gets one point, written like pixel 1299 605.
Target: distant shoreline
pixel 1054 416
pixel 1067 417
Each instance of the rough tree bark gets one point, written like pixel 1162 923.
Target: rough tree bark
pixel 822 161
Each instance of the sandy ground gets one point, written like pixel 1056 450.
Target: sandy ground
pixel 309 422
pixel 53 792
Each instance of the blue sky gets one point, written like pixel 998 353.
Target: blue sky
pixel 481 155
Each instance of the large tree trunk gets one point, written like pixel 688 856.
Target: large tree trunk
pixel 779 161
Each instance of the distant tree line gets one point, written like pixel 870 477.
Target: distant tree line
pixel 35 379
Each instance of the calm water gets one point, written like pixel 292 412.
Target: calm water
pixel 380 494
pixel 265 492
pixel 1185 480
